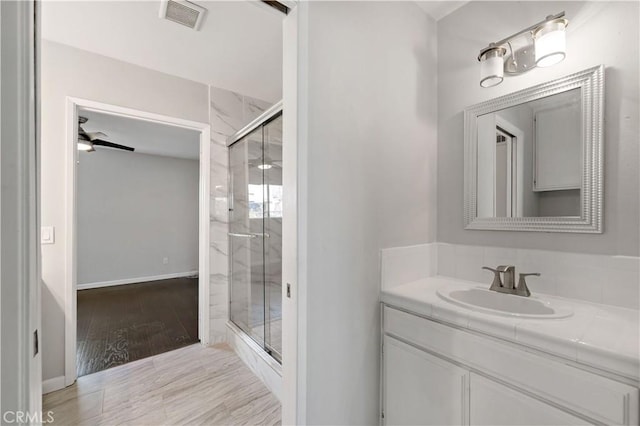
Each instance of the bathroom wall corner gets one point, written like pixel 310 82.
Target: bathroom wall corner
pixel 400 265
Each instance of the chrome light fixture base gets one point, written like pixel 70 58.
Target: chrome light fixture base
pixel 521 60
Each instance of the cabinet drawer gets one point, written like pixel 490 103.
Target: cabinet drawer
pixel 582 392
pixel 494 404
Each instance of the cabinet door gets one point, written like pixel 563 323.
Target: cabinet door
pixel 420 389
pixel 558 148
pixel 496 404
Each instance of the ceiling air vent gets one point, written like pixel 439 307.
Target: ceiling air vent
pixel 182 12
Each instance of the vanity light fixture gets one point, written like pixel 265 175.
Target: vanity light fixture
pixel 541 45
pixel 492 66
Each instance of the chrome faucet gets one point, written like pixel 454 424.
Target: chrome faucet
pixel 521 288
pixel 508 285
pixel 497 281
pixel 509 277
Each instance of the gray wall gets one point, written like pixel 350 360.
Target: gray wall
pixel 66 71
pixel 367 181
pixel 598 33
pixel 559 203
pixel 134 210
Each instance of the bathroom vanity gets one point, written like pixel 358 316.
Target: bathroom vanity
pixel 452 355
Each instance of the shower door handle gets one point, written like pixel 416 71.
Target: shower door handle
pixel 248 235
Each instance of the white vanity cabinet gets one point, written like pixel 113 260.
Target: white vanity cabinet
pixel 421 388
pixel 437 373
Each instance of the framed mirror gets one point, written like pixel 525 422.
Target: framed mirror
pixel 533 158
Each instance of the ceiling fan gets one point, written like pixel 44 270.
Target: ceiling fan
pixel 87 141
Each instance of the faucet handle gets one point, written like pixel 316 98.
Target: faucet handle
pixel 521 288
pixel 497 282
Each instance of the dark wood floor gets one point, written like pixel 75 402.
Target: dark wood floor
pixel 128 322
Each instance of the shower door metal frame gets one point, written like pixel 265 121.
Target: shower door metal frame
pixel 263 119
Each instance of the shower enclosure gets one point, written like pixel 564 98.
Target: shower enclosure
pixel 255 230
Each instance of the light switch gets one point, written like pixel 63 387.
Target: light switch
pixel 47 235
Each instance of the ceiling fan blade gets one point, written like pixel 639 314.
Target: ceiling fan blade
pixel 83 134
pixel 100 142
pixel 95 135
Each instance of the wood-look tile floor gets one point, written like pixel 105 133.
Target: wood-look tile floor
pixel 193 385
pixel 124 323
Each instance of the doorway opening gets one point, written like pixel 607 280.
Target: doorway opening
pixel 508 179
pixel 139 247
pixel 506 174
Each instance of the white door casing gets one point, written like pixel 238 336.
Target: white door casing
pixel 70 308
pixel 294 288
pixel 21 372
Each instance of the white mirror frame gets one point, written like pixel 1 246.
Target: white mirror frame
pixel 591 83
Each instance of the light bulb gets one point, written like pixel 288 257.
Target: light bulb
pixel 492 67
pixel 84 145
pixel 550 43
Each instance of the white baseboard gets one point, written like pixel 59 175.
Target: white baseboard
pixel 136 280
pixel 53 384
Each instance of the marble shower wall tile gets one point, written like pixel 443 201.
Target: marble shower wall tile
pixel 228 113
pixel 266 369
pixel 252 108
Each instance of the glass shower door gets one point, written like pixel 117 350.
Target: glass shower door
pixel 255 235
pixel 272 133
pixel 246 241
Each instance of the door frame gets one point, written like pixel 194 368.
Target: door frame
pixel 71 157
pixel 294 237
pixel 21 372
pixel 518 134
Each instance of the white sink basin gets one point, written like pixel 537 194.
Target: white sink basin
pixel 510 305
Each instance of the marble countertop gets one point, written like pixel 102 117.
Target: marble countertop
pixel 600 336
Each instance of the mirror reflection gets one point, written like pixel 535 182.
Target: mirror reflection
pixel 529 159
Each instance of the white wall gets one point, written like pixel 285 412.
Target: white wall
pixel 133 211
pixel 598 33
pixel 366 181
pixel 66 71
pixel 20 373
